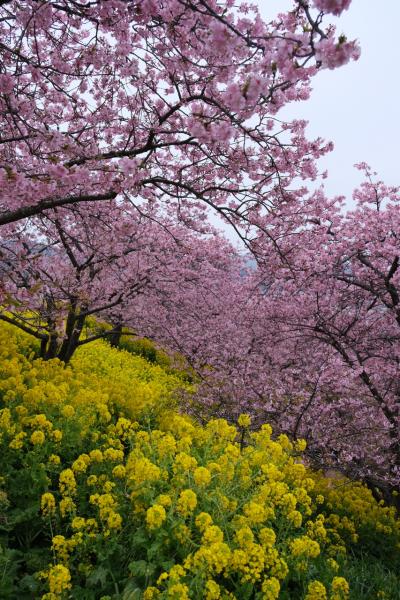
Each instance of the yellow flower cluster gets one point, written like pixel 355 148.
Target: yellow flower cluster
pixel 67 482
pixel 304 546
pixel 187 502
pixel 48 504
pixel 59 580
pixel 316 591
pixel 99 381
pixel 155 516
pixel 200 513
pixel 340 589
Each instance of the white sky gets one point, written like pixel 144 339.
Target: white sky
pixel 356 106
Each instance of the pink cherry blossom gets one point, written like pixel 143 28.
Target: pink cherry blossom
pixel 333 54
pixel 335 7
pixel 89 99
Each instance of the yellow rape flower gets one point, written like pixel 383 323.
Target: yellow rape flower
pixel 304 546
pixel 244 536
pixel 113 454
pixel 155 516
pixel 212 590
pixel 249 562
pixel 254 512
pixel 81 463
pixel 270 588
pixel 295 517
pixel 41 421
pixel 108 486
pixel 78 523
pixel 178 591
pixel 316 591
pixel 232 452
pixel 267 536
pixel 48 504
pixel 114 520
pixel 214 467
pixel 244 420
pixel 57 435
pixel 182 533
pixel 37 438
pixel 300 445
pixel 213 558
pixel 202 476
pixel 119 471
pixel 340 589
pixel 21 410
pixel 162 578
pixel 18 441
pixel 184 462
pixel 96 455
pixel 123 426
pixel 59 579
pixel 203 520
pixel 176 572
pixel 104 413
pixel 212 535
pixel 331 562
pixel 187 502
pixel 164 500
pixel 184 444
pixel 60 546
pixel 67 506
pixel 68 411
pixel 151 593
pixel 67 482
pixel 54 459
pixel 141 470
pixel 105 502
pixel 166 446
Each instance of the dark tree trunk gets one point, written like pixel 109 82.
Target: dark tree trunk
pixel 43 346
pixel 115 336
pixel 74 327
pixel 52 347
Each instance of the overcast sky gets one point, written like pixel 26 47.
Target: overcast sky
pixel 358 105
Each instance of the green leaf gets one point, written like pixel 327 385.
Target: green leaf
pixel 132 591
pixel 156 549
pixel 167 565
pixel 139 538
pixel 142 568
pixel 99 575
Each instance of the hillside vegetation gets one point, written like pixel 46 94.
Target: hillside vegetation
pixel 108 491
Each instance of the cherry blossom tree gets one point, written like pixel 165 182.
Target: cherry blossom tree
pixel 331 308
pixel 167 106
pixel 173 102
pixel 71 269
pixel 155 106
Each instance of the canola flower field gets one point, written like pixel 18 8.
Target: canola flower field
pixel 108 492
